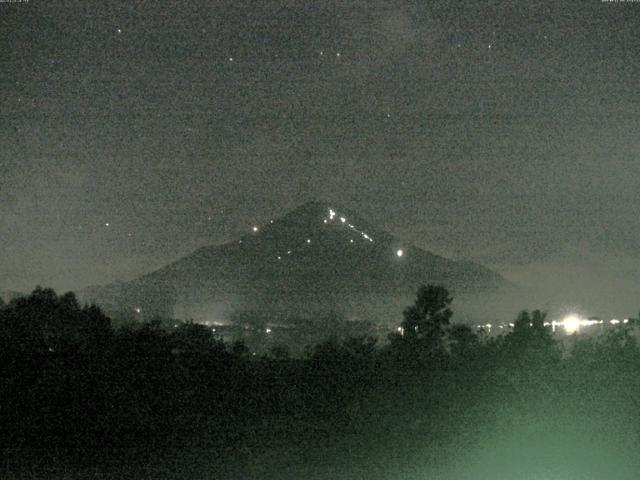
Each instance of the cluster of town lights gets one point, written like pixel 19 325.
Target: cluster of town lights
pixel 571 324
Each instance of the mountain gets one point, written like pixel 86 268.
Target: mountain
pixel 317 258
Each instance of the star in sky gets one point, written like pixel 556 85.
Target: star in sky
pixel 453 172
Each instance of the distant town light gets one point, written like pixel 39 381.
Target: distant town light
pixel 255 229
pixel 400 252
pixel 571 324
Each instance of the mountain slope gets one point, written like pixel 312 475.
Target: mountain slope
pixel 316 258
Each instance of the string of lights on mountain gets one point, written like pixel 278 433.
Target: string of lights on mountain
pixel 332 218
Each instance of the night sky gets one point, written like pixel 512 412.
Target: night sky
pixel 506 132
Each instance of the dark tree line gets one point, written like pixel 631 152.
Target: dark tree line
pixel 147 401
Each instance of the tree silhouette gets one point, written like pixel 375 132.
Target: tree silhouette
pixel 529 327
pixel 531 342
pixel 280 352
pixel 425 321
pixel 196 338
pixel 422 332
pixel 239 349
pixel 463 342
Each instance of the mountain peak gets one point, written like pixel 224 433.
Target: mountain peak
pixel 316 219
pixel 318 256
pixel 320 208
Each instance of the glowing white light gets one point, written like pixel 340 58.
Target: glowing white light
pixel 308 240
pixel 119 30
pixel 279 257
pixel 351 240
pixel 231 59
pixel 268 330
pixel 571 324
pixel 342 219
pixel 400 252
pixel 488 325
pixel 338 54
pixel 288 252
pixel 106 224
pixel 331 214
pixel 138 309
pixel 255 229
pixel 614 321
pixel 626 320
pixel 270 221
pixel 325 220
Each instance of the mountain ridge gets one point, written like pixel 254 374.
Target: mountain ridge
pixel 317 256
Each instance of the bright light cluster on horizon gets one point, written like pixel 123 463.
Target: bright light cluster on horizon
pixel 571 323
